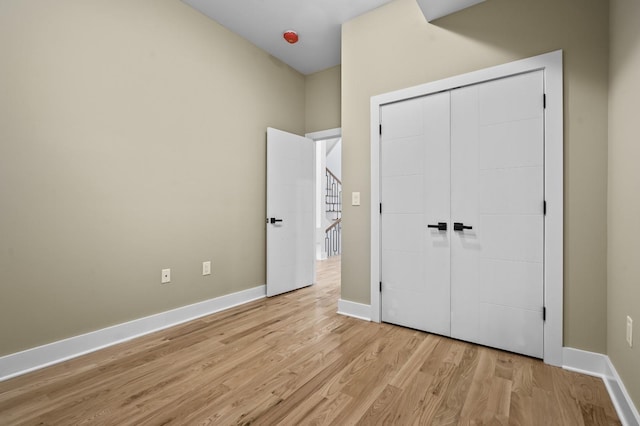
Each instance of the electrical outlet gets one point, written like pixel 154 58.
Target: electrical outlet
pixel 206 268
pixel 166 276
pixel 629 331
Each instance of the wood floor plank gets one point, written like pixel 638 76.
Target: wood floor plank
pixel 415 403
pixel 569 411
pixel 459 386
pixel 292 360
pixel 499 402
pixel 381 412
pixel 419 356
pixel 325 412
pixel 480 388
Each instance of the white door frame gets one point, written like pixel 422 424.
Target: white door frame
pixel 551 64
pixel 324 134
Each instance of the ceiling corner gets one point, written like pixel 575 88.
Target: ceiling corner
pixel 434 9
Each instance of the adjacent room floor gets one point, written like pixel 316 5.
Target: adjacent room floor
pixel 292 360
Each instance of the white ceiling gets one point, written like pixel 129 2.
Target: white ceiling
pixel 262 22
pixel 318 23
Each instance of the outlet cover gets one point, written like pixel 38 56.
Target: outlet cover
pixel 166 276
pixel 206 268
pixel 629 331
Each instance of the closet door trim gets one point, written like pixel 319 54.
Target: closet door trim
pixel 551 64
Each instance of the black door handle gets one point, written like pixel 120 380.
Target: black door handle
pixel 441 226
pixel 274 220
pixel 457 226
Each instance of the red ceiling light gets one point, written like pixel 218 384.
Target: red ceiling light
pixel 290 36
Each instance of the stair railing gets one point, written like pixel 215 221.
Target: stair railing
pixel 333 203
pixel 333 237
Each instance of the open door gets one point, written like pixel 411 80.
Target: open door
pixel 290 212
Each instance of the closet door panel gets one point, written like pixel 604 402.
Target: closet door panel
pixel 401 194
pixel 513 238
pixel 403 119
pixel 515 284
pixel 498 189
pixel 465 246
pixel 415 192
pixel 512 323
pixel 518 144
pixel 402 233
pixel 404 272
pixel 403 157
pixel 511 99
pixel 509 191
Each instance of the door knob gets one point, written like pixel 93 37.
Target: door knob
pixel 274 220
pixel 458 226
pixel 441 226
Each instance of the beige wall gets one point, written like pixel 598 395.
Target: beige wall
pixel 132 138
pixel 394 47
pixel 322 100
pixel 624 193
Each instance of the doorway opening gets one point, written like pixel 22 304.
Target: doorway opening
pixel 328 196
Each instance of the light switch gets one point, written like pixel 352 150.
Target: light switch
pixel 355 198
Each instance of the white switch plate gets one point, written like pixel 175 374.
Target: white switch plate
pixel 206 268
pixel 166 276
pixel 355 198
pixel 629 331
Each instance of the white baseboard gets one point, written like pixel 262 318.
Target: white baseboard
pixel 355 310
pixel 42 356
pixel 591 363
pixel 599 365
pixel 621 399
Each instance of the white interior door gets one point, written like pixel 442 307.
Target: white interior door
pixel 471 159
pixel 497 189
pixel 290 212
pixel 415 195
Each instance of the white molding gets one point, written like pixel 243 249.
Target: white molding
pixel 374 273
pixel 355 310
pixel 599 365
pixel 585 362
pixel 551 64
pixel 43 356
pixel 325 134
pixel 627 411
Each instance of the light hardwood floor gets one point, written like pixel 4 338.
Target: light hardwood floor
pixel 292 360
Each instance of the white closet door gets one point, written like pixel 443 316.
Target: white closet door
pixel 415 193
pixel 497 188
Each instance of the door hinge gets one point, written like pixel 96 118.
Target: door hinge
pixel 544 313
pixel 380 208
pixel 544 100
pixel 380 129
pixel 380 286
pixel 544 207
